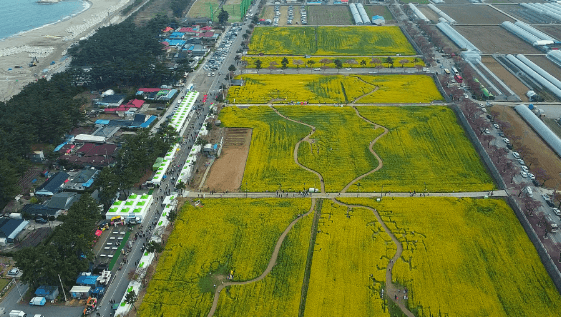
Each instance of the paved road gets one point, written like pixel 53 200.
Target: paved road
pixel 10 302
pixel 495 193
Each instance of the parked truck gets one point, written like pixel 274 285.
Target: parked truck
pixel 17 313
pixel 37 301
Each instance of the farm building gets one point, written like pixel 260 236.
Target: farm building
pixel 10 229
pixel 536 73
pixel 418 13
pixel 363 14
pixel 378 20
pixel 36 210
pixel 111 101
pixel 63 201
pixel 49 292
pixel 356 15
pixel 543 130
pixel 53 185
pixel 555 56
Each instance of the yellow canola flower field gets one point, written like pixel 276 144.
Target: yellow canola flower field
pixel 260 89
pixel 270 164
pixel 425 145
pixel 330 40
pixel 210 241
pixel 339 151
pixel 278 294
pixel 353 62
pixel 468 257
pixel 347 251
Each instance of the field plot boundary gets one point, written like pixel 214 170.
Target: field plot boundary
pixel 270 266
pixel 305 139
pixel 380 162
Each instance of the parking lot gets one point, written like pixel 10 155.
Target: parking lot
pixel 217 58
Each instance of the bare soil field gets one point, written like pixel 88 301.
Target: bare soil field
pixel 474 14
pixel 227 171
pixel 447 40
pixel 540 154
pixel 510 80
pixel 328 15
pixel 554 31
pixel 547 65
pixel 379 10
pixel 429 13
pixel 268 12
pixel 495 40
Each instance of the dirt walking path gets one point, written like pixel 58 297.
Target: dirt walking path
pixel 305 139
pixel 393 292
pixel 380 163
pixel 270 266
pixel 366 94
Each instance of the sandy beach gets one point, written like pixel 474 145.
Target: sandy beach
pixel 49 44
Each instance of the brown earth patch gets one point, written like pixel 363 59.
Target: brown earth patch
pixel 547 65
pixel 495 39
pixel 540 154
pixel 474 14
pixel 509 79
pixel 226 173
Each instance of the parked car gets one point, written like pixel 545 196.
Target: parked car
pixel 532 176
pixel 507 141
pixel 523 174
pixel 524 168
pixel 317 69
pixel 556 211
pixel 521 161
pixel 487 131
pixel 13 272
pixel 536 183
pixel 40 220
pixel 496 126
pixel 516 155
pixel 528 190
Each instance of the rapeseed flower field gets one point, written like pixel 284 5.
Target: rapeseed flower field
pixel 270 165
pixel 468 257
pixel 425 148
pixel 330 40
pixel 339 151
pixel 260 89
pixel 208 242
pixel 278 294
pixel 348 266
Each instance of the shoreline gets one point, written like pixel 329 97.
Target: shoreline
pixel 88 4
pixel 49 43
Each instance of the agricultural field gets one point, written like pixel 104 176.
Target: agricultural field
pixel 379 10
pixel 233 9
pixel 260 89
pixel 208 242
pixel 265 161
pixel 354 62
pixel 547 65
pixel 347 251
pixel 424 147
pixel 468 257
pixel 201 9
pixel 340 148
pixel 496 40
pixel 329 15
pixel 508 78
pixel 330 40
pixel 278 294
pixel 475 14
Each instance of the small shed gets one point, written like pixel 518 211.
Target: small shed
pixel 87 280
pixel 80 291
pixel 49 292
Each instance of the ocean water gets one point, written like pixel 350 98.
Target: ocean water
pixel 18 16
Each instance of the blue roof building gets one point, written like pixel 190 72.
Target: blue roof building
pixel 52 185
pixel 49 292
pixel 87 280
pixel 10 228
pixel 178 43
pixel 37 210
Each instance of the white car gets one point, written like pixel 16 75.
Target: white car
pixel 524 168
pixel 523 174
pixel 532 176
pixel 516 155
pixel 213 74
pixel 317 69
pixel 487 131
pixel 521 161
pixel 496 126
pixel 507 141
pixel 348 68
pixel 556 211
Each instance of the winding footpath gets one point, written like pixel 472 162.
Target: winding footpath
pixel 392 291
pixel 380 163
pixel 270 266
pixel 305 139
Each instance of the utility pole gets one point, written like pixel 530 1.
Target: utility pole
pixel 63 292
